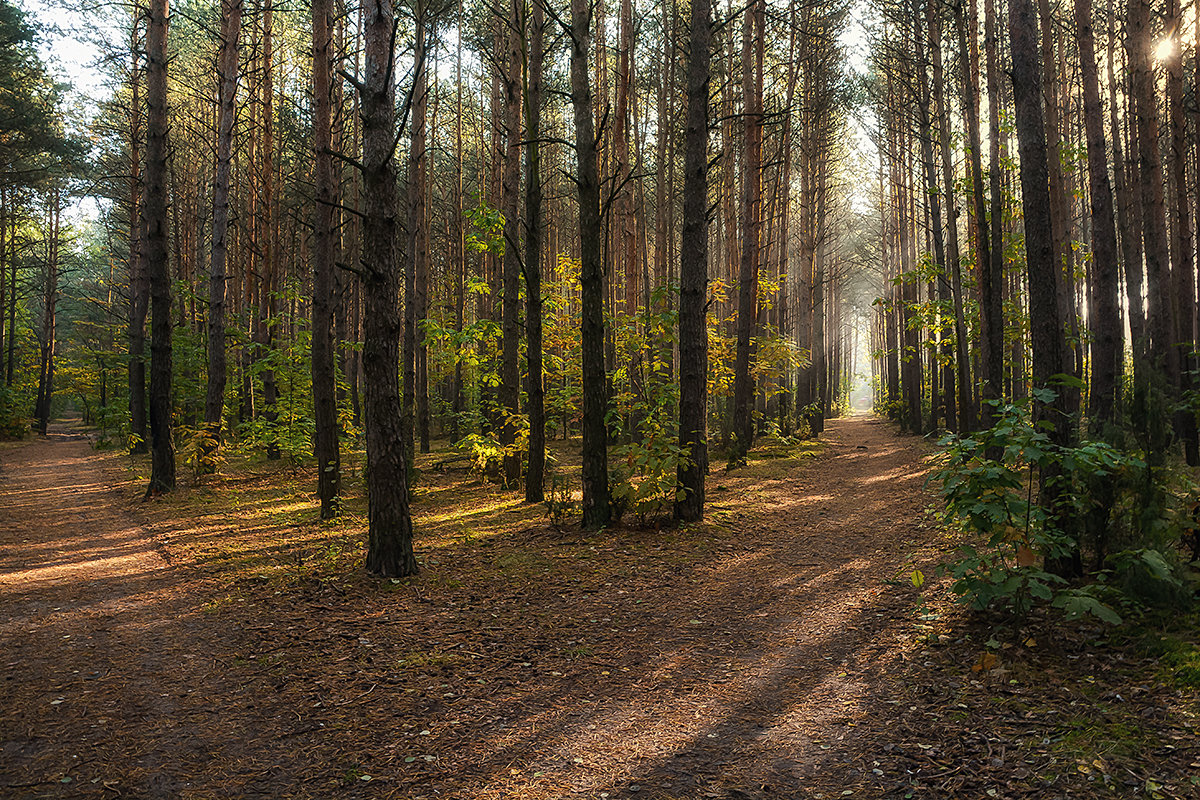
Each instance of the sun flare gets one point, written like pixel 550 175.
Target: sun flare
pixel 1164 49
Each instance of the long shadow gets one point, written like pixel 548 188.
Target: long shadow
pixel 315 675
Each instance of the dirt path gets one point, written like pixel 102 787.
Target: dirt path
pixel 737 660
pixel 104 662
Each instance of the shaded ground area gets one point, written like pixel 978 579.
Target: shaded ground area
pixel 223 643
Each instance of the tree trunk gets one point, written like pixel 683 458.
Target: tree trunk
pixel 324 254
pixel 154 211
pixel 389 536
pixel 458 237
pixel 991 271
pixel 1182 291
pixel 1060 223
pixel 49 328
pixel 743 383
pixel 139 287
pixel 535 471
pixel 1045 324
pixel 227 61
pixel 962 347
pixel 693 275
pixel 266 235
pixel 1106 345
pixel 510 205
pixel 416 301
pixel 1150 190
pixel 596 510
pixel 925 132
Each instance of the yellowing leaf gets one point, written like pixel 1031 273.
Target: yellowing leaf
pixel 985 662
pixel 918 578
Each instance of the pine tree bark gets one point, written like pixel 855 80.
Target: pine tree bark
pixel 1043 273
pixel 1128 215
pixel 991 271
pixel 534 222
pixel 693 274
pixel 48 333
pixel 1106 334
pixel 510 205
pixel 1160 317
pixel 416 301
pixel 227 72
pixel 458 236
pixel 267 241
pixel 962 347
pixel 596 508
pixel 324 249
pixel 389 536
pixel 925 113
pixel 139 287
pixel 154 212
pixel 1183 289
pixel 751 210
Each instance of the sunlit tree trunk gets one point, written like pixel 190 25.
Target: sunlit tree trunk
pixel 1128 215
pixel 962 347
pixel 925 112
pixel 1150 189
pixel 265 235
pixel 458 235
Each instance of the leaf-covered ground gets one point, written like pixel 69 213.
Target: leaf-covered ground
pixel 222 642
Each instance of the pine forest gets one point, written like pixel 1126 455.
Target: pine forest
pixel 600 398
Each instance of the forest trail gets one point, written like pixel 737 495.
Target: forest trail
pixel 101 650
pixel 749 658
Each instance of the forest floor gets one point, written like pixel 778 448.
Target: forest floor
pixel 222 642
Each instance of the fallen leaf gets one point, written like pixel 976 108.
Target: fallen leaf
pixel 985 663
